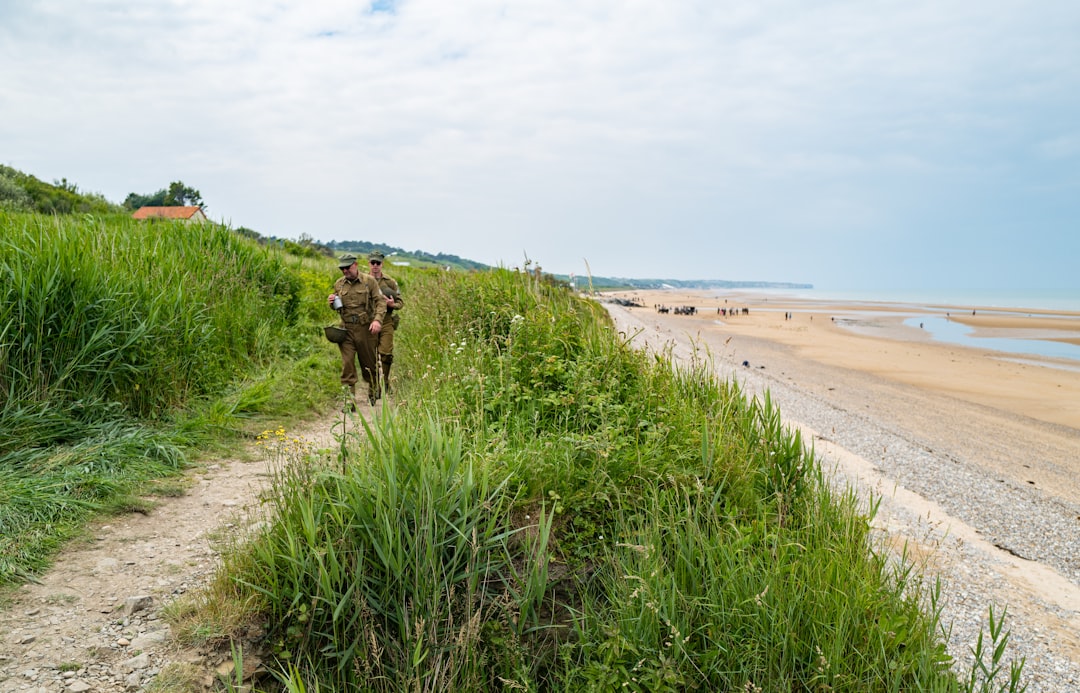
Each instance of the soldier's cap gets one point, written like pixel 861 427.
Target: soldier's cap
pixel 376 255
pixel 346 260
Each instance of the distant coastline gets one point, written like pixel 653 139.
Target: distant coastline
pixel 1019 300
pixel 1019 324
pixel 1002 299
pixel 624 283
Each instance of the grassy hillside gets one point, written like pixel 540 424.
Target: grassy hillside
pixel 546 509
pixel 22 192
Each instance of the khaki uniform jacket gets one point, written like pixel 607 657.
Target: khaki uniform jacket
pixel 361 300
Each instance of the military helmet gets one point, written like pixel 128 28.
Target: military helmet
pixel 336 334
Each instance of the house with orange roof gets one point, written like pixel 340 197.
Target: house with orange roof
pixel 192 215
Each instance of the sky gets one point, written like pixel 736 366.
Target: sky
pixel 848 144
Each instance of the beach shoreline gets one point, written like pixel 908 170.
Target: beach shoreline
pixel 973 455
pixel 873 338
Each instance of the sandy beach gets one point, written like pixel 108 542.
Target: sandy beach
pixel 1026 409
pixel 973 453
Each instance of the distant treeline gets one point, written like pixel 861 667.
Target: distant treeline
pixel 305 245
pixel 364 247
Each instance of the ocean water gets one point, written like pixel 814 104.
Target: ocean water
pixel 945 330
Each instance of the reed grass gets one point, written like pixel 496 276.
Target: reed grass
pixel 141 316
pixel 545 508
pixel 397 583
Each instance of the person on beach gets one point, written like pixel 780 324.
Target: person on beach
pixel 362 307
pixel 394 303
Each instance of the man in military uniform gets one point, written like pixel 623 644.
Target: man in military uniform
pixel 363 311
pixel 394 303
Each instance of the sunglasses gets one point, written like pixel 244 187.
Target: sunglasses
pixel 375 262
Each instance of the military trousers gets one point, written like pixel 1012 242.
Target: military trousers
pixel 359 347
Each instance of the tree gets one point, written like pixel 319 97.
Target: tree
pixel 177 195
pixel 181 195
pixel 64 185
pixel 134 201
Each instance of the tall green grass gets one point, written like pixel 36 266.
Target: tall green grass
pixel 545 508
pixel 97 312
pixel 113 334
pixel 406 608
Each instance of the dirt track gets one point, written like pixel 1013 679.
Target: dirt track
pixel 93 622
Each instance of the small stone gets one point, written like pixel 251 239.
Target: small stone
pixel 141 661
pixel 123 642
pixel 141 642
pixel 137 603
pixel 78 686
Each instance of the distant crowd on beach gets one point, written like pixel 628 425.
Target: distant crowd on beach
pixel 677 310
pixel 692 310
pixel 722 311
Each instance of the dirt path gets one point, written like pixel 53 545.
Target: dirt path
pixel 93 623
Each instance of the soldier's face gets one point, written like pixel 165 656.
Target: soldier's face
pixel 376 268
pixel 351 272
